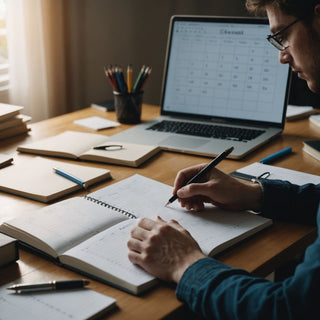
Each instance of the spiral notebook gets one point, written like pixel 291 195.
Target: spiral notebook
pixel 89 234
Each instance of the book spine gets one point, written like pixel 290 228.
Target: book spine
pixel 107 205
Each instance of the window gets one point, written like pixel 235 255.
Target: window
pixel 4 65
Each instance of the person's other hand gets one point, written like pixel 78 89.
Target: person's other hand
pixel 163 248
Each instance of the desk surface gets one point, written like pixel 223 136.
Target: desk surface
pixel 259 255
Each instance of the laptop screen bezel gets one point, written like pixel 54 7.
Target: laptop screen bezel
pixel 245 20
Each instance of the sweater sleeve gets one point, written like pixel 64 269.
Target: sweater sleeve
pixel 286 201
pixel 216 291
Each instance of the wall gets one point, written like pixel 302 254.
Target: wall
pixel 101 32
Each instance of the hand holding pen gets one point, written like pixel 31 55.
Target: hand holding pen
pixel 204 171
pixel 217 188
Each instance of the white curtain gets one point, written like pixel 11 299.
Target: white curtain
pixel 37 57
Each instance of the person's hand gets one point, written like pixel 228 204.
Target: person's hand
pixel 217 188
pixel 163 248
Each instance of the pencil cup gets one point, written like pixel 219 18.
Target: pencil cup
pixel 128 106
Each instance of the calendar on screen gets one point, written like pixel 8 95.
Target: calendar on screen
pixel 224 70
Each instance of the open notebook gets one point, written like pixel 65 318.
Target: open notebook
pixel 89 234
pixel 81 146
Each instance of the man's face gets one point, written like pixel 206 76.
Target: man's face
pixel 303 52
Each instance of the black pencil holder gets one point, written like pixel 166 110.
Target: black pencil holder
pixel 128 107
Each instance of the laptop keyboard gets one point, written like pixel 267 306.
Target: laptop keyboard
pixel 207 130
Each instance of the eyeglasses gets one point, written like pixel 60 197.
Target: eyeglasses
pixel 110 147
pixel 277 42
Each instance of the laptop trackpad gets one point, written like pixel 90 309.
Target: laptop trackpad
pixel 182 142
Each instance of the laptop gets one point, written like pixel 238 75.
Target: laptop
pixel 223 86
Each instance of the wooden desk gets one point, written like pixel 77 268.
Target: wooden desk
pixel 259 255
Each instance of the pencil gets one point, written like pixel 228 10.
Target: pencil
pixel 129 78
pixel 145 78
pixel 109 75
pixel 204 171
pixel 123 82
pixel 70 177
pixel 141 80
pixel 138 79
pixel 118 79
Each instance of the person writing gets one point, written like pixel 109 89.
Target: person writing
pixel 209 287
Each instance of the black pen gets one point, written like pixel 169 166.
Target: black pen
pixel 51 285
pixel 205 170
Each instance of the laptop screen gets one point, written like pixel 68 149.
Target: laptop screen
pixel 224 67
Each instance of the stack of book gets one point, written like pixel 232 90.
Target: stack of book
pixel 12 122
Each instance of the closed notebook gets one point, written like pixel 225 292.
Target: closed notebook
pixel 14 131
pixel 315 119
pixel 34 178
pixel 8 250
pixel 80 145
pixel 15 121
pixel 298 112
pixel 312 147
pixel 8 110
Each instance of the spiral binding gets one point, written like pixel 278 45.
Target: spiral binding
pixel 107 205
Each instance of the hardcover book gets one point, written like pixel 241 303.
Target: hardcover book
pixel 8 250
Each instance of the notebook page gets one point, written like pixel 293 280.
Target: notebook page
pixel 66 223
pixel 107 252
pixel 138 195
pixel 71 142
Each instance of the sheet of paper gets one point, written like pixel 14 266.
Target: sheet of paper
pixel 96 123
pixel 297 177
pixel 52 305
pixel 298 111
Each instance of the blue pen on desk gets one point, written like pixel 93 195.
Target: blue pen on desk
pixel 276 155
pixel 70 177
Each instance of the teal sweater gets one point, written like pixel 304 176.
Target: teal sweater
pixel 216 291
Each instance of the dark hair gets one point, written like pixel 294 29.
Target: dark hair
pixel 299 8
